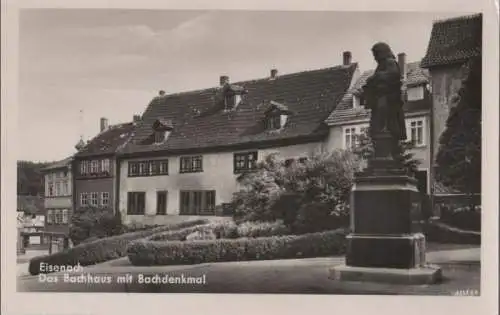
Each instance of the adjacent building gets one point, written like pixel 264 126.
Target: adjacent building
pixel 453 44
pixel 58 203
pixel 95 181
pixel 350 118
pixel 189 148
pixel 30 221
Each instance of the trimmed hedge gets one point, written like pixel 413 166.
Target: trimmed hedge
pixel 462 218
pixel 442 233
pixel 262 229
pixel 148 252
pixel 102 249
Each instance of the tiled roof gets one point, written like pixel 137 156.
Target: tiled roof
pixel 30 204
pixel 201 123
pixel 59 164
pixel 345 112
pixel 454 41
pixel 108 141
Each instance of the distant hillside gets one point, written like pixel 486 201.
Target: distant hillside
pixel 29 178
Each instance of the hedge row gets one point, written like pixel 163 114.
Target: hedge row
pixel 147 252
pixel 442 233
pixel 102 249
pixel 462 219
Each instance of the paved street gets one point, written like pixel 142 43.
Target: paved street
pixel 461 270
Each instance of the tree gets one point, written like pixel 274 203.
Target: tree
pixel 308 195
pixel 30 178
pixel 458 161
pixel 94 223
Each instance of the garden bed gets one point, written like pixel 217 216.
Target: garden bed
pixel 228 242
pixel 102 249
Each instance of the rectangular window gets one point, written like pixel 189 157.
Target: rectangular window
pixel 159 136
pixel 94 166
pixel 51 190
pixel 191 164
pixel 84 199
pixel 197 202
pixel 148 168
pixel 105 166
pixel 352 135
pixel 246 161
pixel 161 202
pixel 58 216
pixel 136 202
pixel 416 131
pixel 66 188
pixel 65 216
pixel 50 216
pixel 104 199
pixel 273 122
pixel 94 199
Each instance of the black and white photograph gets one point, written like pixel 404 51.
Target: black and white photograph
pixel 250 152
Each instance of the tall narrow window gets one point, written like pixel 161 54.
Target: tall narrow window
pixel 84 199
pixel 416 132
pixel 161 202
pixel 104 199
pixel 94 197
pixel 349 137
pixel 136 202
pixel 65 216
pixel 197 202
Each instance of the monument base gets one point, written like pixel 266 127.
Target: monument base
pixel 427 274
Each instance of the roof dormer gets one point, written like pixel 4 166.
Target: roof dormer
pixel 231 94
pixel 162 129
pixel 276 116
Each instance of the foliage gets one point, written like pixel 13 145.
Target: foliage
pixel 94 222
pixel 462 218
pixel 262 229
pixel 459 156
pixel 146 252
pixel 102 249
pixel 404 152
pixel 30 178
pixel 277 191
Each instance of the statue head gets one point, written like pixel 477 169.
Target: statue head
pixel 381 51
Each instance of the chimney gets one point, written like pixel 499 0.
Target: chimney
pixel 274 73
pixel 347 58
pixel 136 118
pixel 104 124
pixel 223 80
pixel 403 67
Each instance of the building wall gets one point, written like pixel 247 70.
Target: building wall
pixel 335 140
pixel 61 199
pixel 218 175
pixel 94 185
pixel 445 82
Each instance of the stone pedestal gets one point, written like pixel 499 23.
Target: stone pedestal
pixel 386 243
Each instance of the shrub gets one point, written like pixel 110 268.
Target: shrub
pixel 276 190
pixel 201 235
pixel 93 222
pixel 146 252
pixel 262 229
pixel 101 250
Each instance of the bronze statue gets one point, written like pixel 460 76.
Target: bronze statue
pixel 382 93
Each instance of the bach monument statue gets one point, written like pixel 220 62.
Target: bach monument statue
pixel 386 243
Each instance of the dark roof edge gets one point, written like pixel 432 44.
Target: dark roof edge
pixel 319 136
pixel 281 76
pixel 459 18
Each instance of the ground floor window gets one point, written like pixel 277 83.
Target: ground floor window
pixel 201 202
pixel 161 202
pixel 58 216
pixel 136 202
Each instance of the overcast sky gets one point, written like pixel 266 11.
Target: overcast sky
pixel 110 63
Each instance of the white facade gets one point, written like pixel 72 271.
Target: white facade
pixel 218 175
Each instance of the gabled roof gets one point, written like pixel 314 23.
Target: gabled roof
pixel 345 112
pixel 30 204
pixel 65 163
pixel 454 41
pixel 108 141
pixel 201 123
